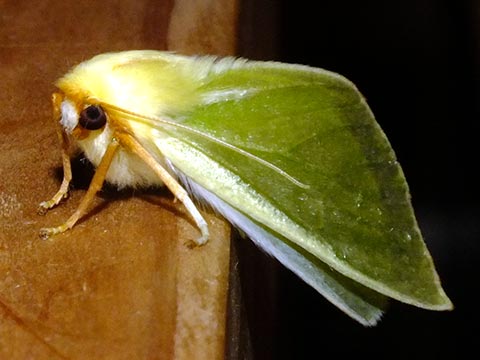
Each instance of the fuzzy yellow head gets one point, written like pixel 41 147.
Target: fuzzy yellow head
pixel 134 80
pixel 155 85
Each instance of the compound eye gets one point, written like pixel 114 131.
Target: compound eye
pixel 92 118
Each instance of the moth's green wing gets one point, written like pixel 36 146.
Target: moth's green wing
pixel 349 204
pixel 359 302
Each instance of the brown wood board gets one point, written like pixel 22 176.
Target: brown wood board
pixel 122 284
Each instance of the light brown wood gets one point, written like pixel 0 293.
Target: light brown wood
pixel 121 284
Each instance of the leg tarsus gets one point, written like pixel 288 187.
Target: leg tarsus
pixel 61 194
pixel 46 233
pixel 195 214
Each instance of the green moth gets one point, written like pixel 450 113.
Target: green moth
pixel 289 154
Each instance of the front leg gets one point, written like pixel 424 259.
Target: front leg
pixel 95 186
pixel 62 193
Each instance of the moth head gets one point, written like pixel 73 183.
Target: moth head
pixel 80 119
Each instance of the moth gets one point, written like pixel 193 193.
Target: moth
pixel 289 154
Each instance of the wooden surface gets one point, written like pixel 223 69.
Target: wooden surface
pixel 121 284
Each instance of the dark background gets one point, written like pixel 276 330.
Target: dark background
pixel 417 63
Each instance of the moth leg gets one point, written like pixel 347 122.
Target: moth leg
pixel 95 186
pixel 170 182
pixel 62 192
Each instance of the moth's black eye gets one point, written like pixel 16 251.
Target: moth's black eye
pixel 92 118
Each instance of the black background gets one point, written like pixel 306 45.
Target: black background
pixel 417 63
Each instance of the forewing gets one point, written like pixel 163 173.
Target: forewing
pixel 349 204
